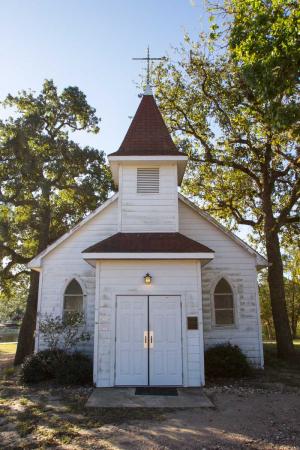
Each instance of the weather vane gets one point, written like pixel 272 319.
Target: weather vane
pixel 148 59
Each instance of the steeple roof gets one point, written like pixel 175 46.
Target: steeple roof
pixel 147 134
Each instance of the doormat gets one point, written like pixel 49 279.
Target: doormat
pixel 169 391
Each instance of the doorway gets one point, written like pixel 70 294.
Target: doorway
pixel 148 340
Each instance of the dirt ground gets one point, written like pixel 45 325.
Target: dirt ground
pixel 260 413
pixel 246 416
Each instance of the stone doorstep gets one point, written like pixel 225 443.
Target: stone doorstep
pixel 125 398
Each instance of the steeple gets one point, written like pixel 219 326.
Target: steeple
pixel 148 151
pixel 147 134
pixel 148 90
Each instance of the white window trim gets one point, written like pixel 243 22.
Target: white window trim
pixel 84 294
pixel 235 324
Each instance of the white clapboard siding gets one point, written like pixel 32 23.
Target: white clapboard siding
pixel 65 262
pixel 148 200
pixel 155 212
pixel 238 266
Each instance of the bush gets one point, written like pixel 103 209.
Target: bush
pixel 75 368
pixel 63 332
pixel 40 366
pixel 63 367
pixel 226 361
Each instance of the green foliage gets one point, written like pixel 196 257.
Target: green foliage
pixel 240 131
pixel 75 368
pixel 291 260
pixel 63 367
pixel 13 301
pixel 63 333
pixel 236 137
pixel 226 361
pixel 264 36
pixel 41 366
pixel 231 140
pixel 48 182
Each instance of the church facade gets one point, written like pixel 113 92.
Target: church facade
pixel 158 280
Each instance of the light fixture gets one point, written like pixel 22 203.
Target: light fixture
pixel 147 278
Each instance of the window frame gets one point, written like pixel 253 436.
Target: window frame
pixel 213 309
pixel 83 290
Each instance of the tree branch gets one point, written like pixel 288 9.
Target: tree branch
pixel 294 197
pixel 238 216
pixel 16 258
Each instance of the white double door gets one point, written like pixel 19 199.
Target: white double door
pixel 148 341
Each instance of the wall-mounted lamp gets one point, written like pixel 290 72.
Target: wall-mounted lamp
pixel 147 278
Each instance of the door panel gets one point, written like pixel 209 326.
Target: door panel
pixel 131 356
pixel 166 354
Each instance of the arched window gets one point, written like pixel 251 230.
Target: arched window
pixel 73 298
pixel 224 305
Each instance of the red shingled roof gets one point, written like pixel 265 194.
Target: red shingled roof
pixel 147 134
pixel 148 243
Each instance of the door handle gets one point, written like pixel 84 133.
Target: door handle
pixel 148 339
pixel 145 339
pixel 151 344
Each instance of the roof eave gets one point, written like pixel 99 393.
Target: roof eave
pixel 115 161
pixel 92 258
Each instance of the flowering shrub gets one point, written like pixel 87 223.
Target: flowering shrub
pixel 63 333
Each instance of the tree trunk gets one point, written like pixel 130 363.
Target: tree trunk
pixel 26 336
pixel 285 348
pixel 293 315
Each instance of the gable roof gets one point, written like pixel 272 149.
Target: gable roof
pixel 148 243
pixel 260 260
pixel 35 263
pixel 147 134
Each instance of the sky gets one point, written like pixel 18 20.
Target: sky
pixel 90 44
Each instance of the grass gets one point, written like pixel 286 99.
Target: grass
pixel 287 372
pixel 270 351
pixel 8 348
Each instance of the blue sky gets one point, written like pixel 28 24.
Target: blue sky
pixel 90 44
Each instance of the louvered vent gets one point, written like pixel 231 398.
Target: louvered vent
pixel 148 181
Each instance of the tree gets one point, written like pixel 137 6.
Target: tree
pixel 264 37
pixel 292 269
pixel 13 300
pixel 265 309
pixel 241 136
pixel 292 293
pixel 48 183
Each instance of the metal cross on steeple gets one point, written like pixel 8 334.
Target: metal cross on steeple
pixel 148 59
